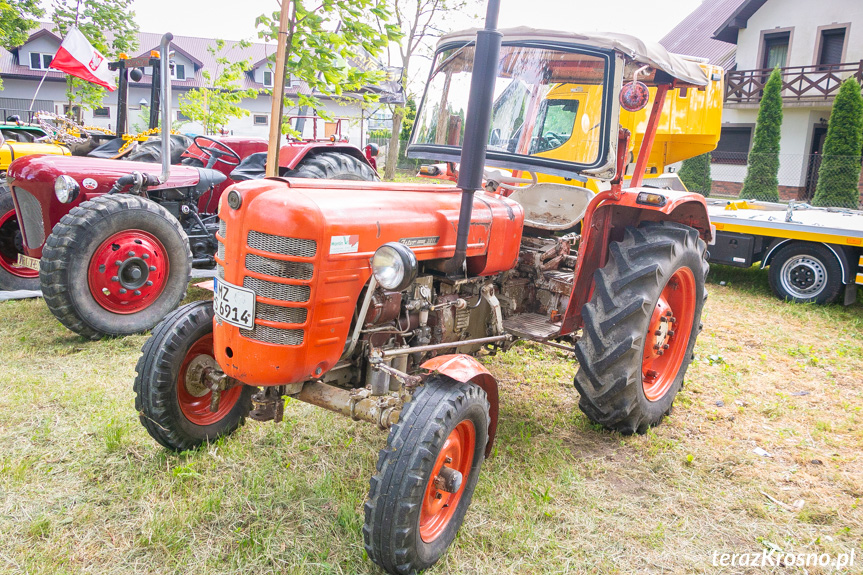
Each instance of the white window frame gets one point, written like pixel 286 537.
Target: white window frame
pixel 174 72
pixel 255 120
pixel 264 79
pixel 42 62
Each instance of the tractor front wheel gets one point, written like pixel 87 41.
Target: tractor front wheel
pixel 171 395
pixel 640 326
pixel 12 276
pixel 426 476
pixel 114 266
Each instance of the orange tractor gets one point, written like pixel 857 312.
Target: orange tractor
pixel 373 299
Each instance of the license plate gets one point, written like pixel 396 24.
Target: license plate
pixel 28 262
pixel 233 304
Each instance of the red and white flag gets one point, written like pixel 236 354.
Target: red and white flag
pixel 78 58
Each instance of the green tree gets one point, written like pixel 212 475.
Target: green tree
pixel 695 174
pixel 219 101
pixel 110 27
pixel 762 177
pixel 322 39
pixel 839 174
pixel 17 18
pixel 418 21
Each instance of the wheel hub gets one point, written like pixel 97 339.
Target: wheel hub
pixel 803 276
pixel 193 396
pixel 195 373
pixel 12 244
pixel 128 271
pixel 667 336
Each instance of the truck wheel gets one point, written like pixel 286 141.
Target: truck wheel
pixel 410 520
pixel 172 402
pixel 115 265
pixel 805 273
pixel 334 166
pixel 12 277
pixel 640 326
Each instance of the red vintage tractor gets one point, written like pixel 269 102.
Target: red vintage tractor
pixel 113 240
pixel 373 299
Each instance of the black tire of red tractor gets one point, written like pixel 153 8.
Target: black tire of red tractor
pixel 816 260
pixel 391 531
pixel 334 166
pixel 70 247
pixel 157 379
pixel 616 320
pixel 9 281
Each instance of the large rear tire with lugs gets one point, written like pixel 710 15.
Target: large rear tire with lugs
pixel 640 326
pixel 426 476
pixel 171 396
pixel 115 265
pixel 334 166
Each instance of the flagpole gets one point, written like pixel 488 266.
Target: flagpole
pixel 39 87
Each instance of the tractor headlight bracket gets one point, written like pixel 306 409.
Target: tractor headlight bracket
pixel 394 266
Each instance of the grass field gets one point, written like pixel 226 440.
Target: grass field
pixel 83 488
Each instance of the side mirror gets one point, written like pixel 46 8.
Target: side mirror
pixel 372 150
pixel 634 96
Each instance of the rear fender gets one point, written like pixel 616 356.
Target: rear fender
pixel 607 217
pixel 466 369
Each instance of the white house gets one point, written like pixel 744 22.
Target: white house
pixel 22 68
pixel 815 45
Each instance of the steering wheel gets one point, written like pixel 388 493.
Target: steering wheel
pixel 217 151
pixel 553 139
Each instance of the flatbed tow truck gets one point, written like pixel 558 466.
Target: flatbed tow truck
pixel 813 254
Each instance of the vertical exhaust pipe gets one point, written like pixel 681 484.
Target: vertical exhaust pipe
pixel 477 125
pixel 165 71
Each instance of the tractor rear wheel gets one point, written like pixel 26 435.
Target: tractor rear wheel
pixel 640 326
pixel 114 266
pixel 426 476
pixel 12 277
pixel 170 393
pixel 334 166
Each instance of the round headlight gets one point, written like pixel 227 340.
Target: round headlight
pixel 66 189
pixel 235 200
pixel 394 266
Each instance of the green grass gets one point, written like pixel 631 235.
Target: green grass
pixel 83 488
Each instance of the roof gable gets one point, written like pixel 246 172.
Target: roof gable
pixel 727 32
pixel 693 36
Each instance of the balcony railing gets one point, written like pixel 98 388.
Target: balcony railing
pixel 817 83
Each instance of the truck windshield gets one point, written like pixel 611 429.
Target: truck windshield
pixel 550 111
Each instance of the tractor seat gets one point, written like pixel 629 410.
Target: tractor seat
pixel 209 178
pixel 550 206
pixel 253 167
pixel 110 150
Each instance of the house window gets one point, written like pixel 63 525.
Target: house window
pixel 73 112
pixel 268 78
pixel 40 61
pixel 102 113
pixel 733 146
pixel 178 72
pixel 832 46
pixel 295 81
pixel 260 120
pixel 183 117
pixel 776 50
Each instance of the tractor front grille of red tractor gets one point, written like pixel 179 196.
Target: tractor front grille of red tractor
pixel 32 222
pixel 268 282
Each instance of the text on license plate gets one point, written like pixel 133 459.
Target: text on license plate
pixel 28 262
pixel 233 304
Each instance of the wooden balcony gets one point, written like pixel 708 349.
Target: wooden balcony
pixel 801 85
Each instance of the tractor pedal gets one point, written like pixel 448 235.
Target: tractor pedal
pixel 531 326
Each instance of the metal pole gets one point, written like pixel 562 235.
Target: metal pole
pixel 39 87
pixel 166 107
pixel 436 346
pixel 476 128
pixel 277 106
pixel 122 98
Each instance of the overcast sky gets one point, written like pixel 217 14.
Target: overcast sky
pixel 233 20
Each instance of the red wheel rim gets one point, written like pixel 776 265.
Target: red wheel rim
pixel 192 395
pixel 9 229
pixel 668 334
pixel 456 453
pixel 128 272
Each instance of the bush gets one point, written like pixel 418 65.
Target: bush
pixel 840 163
pixel 695 174
pixel 762 181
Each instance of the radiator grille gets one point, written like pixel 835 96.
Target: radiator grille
pixel 274 335
pixel 32 222
pixel 223 233
pixel 277 291
pixel 280 314
pixel 220 271
pixel 278 268
pixel 282 245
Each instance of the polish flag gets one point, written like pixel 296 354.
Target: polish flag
pixel 78 58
